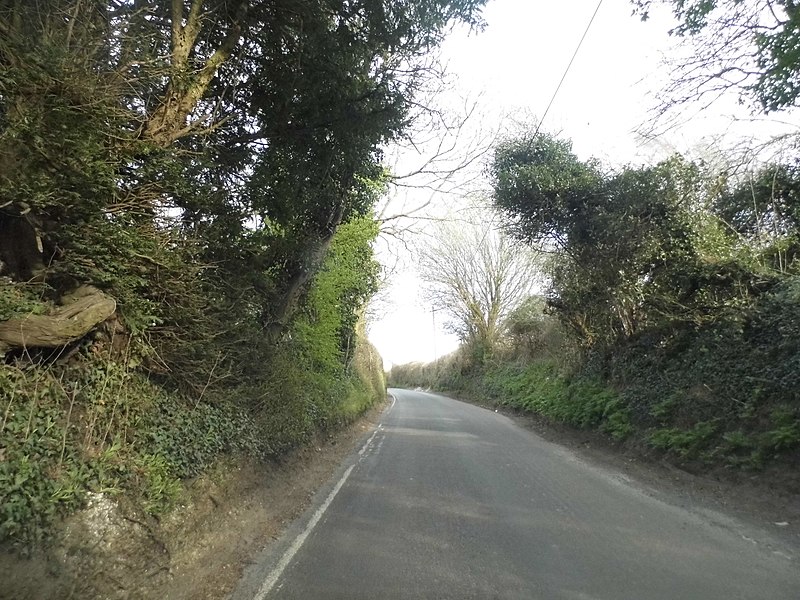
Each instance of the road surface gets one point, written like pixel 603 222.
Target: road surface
pixel 448 500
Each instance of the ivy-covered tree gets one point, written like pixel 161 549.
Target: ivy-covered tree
pixel 637 248
pixel 186 209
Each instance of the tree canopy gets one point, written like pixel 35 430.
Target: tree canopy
pixel 645 247
pixel 239 134
pixel 186 217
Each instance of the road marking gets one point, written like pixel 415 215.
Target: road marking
pixel 270 582
pixel 368 442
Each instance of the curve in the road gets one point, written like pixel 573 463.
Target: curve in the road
pixel 448 500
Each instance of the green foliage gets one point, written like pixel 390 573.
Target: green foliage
pixel 17 300
pixel 784 432
pixel 162 488
pixel 97 426
pixel 753 449
pixel 370 382
pixel 537 386
pixel 534 333
pixel 678 282
pixel 738 375
pixel 542 389
pixel 673 316
pixel 37 476
pixel 190 438
pixel 348 278
pixel 224 206
pixel 326 374
pixel 637 248
pixel 539 184
pixel 100 426
pixel 207 231
pixel 686 443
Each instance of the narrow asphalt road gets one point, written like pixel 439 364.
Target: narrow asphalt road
pixel 448 500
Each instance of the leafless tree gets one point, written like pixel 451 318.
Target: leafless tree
pixel 726 48
pixel 476 275
pixel 439 161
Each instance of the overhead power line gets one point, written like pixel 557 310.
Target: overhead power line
pixel 571 60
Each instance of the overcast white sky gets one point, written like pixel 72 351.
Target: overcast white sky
pixel 513 67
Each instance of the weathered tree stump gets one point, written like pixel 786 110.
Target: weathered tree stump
pixel 83 309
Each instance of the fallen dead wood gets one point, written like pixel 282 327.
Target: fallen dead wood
pixel 82 310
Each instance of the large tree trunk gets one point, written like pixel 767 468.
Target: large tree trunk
pixel 188 83
pixel 287 303
pixel 284 309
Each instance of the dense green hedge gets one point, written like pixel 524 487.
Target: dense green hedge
pixel 672 313
pixel 726 393
pixel 540 388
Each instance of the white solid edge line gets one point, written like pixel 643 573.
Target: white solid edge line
pixel 270 581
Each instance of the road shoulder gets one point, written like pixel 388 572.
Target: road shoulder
pixel 253 509
pixel 265 566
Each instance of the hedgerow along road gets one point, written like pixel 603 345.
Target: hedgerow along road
pixel 449 500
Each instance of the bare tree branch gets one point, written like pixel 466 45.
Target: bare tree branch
pixel 477 275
